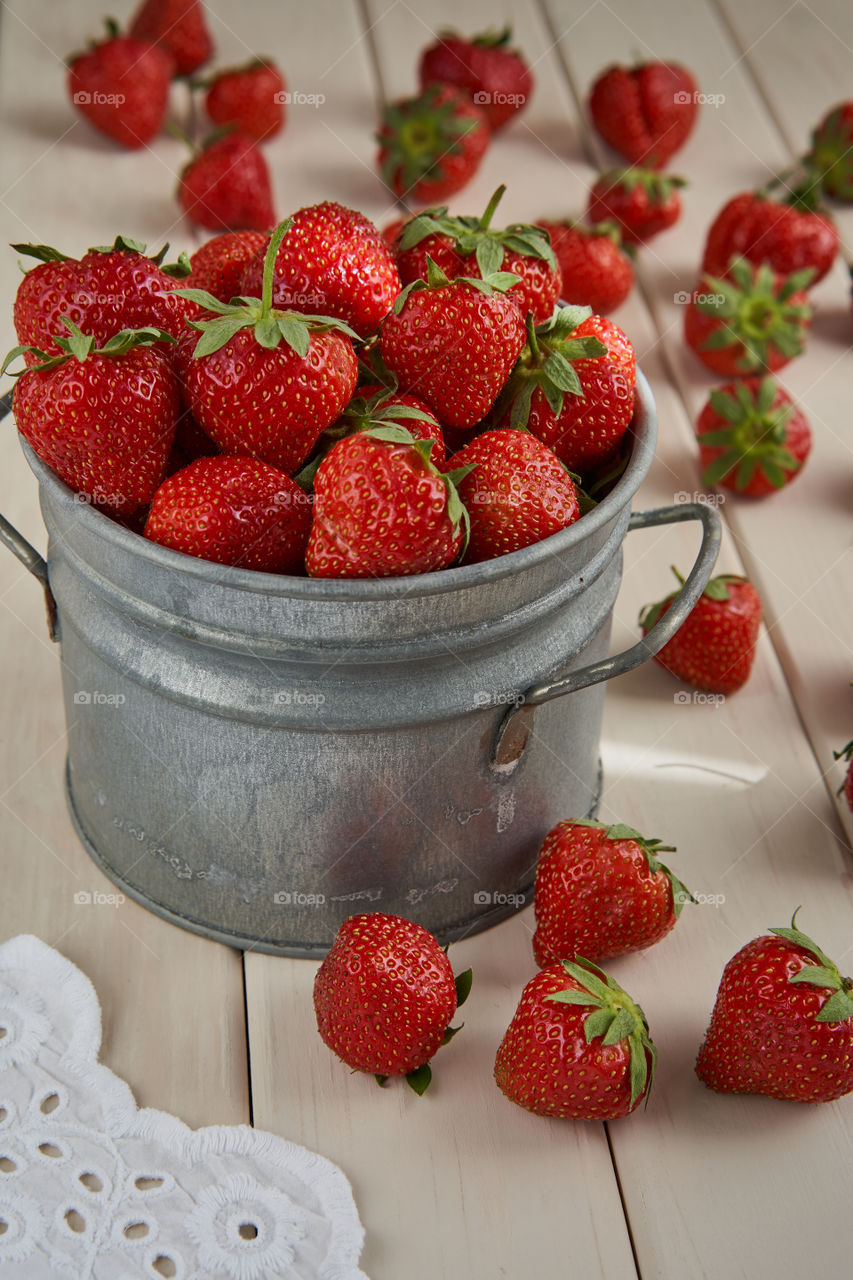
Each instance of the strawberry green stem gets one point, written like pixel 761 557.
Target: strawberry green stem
pixel 269 266
pixel 531 337
pixel 486 219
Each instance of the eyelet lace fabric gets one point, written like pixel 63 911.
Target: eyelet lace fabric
pixel 94 1188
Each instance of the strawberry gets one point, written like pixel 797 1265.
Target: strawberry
pixel 518 493
pixel 110 288
pixel 601 891
pixel 846 788
pixel 782 1023
pixel 760 229
pixel 378 406
pixel 218 266
pixel 382 509
pixel 577 1048
pixel 391 231
pixel 432 145
pixel 227 186
pixel 645 113
pixel 179 27
pixel 471 247
pixel 596 272
pixel 384 997
pixel 249 99
pixel 752 437
pixel 262 382
pixel 641 202
pixel 714 647
pixel 573 387
pixel 493 75
pixel 748 320
pixel 332 260
pixel 831 155
pixel 190 443
pixel 102 417
pixel 235 511
pixel 121 86
pixel 453 343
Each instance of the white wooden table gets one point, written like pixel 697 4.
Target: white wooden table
pixel 462 1183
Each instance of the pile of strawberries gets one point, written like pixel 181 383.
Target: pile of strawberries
pixel 286 403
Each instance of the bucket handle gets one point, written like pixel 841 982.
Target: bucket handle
pixel 514 729
pixel 25 551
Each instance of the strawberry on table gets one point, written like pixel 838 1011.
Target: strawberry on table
pixel 384 997
pixel 470 246
pixel 782 1023
pixel 748 320
pixel 332 260
pixel 601 891
pixel 578 1046
pixel 235 511
pixel 573 387
pixel 249 98
pixel 454 342
pixel 788 237
pixel 831 155
pixel 645 113
pixel 179 27
pixel 121 86
pixel 226 186
pixel 596 271
pixel 431 146
pixel 641 202
pixel 102 417
pixel 753 438
pixel 383 509
pixel 714 647
pixel 495 76
pixel 518 493
pixel 219 264
pixel 263 382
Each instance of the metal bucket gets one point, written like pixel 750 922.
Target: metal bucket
pixel 256 757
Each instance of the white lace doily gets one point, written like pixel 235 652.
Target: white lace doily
pixel 93 1188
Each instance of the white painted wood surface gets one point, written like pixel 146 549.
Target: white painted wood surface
pixel 461 1182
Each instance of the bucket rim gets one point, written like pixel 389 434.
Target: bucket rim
pixel 642 430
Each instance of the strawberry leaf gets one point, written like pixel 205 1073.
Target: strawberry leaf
pixel 215 333
pixel 268 334
pixel 450 1033
pixel 294 332
pixel 598 1024
pixel 621 1026
pixel 838 1008
pixel 816 975
pixel 419 1079
pixel 463 982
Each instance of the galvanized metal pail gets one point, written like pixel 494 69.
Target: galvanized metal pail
pixel 256 757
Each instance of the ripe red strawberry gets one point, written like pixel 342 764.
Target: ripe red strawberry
pixel 102 417
pixel 573 387
pixel 755 227
pixel 846 788
pixel 378 406
pixel 782 1023
pixel 495 76
pixel 577 1048
pixel 384 997
pixel 714 647
pixel 190 443
pixel 517 494
pixel 645 113
pixel 831 155
pixel 235 511
pixel 641 202
pixel 432 145
pixel 248 98
pixel 121 86
pixel 601 891
pixel 753 438
pixel 227 186
pixel 218 266
pixel 596 271
pixel 262 382
pixel 453 343
pixel 179 27
pixel 333 261
pixel 467 246
pixel 748 320
pixel 391 231
pixel 383 509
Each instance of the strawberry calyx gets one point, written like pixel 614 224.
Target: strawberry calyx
pixel 269 325
pixel 846 753
pixel 123 244
pixel 715 589
pixel 755 436
pixel 657 186
pixel 79 346
pixel 493 39
pixel 418 133
pixel 545 363
pixel 362 413
pixel 496 282
pixel 650 849
pixel 615 1017
pixel 476 235
pixel 838 1007
pixel 756 312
